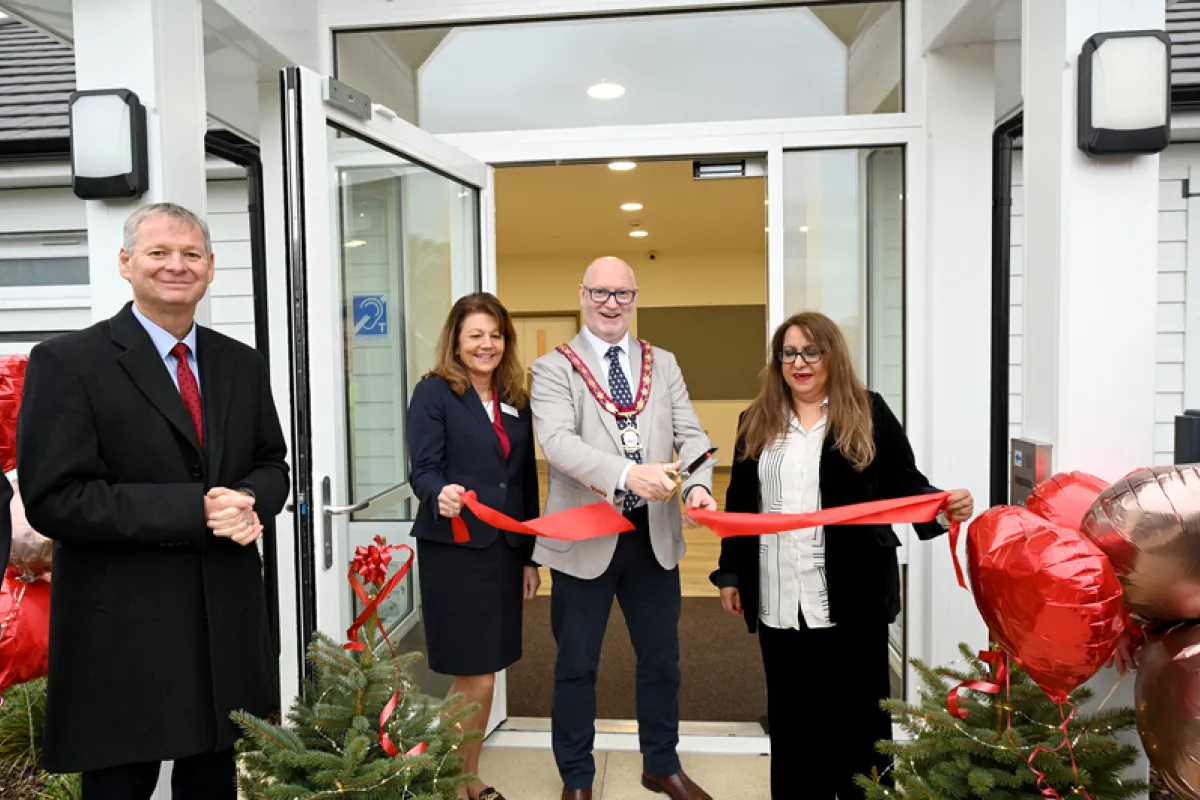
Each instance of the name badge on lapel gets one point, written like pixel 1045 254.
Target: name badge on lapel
pixel 507 409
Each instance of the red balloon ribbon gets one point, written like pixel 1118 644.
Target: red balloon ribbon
pixel 1000 662
pixel 370 607
pixel 1048 792
pixel 573 525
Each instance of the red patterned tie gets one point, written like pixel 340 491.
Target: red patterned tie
pixel 189 390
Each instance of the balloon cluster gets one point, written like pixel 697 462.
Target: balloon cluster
pixel 1148 523
pixel 25 580
pixel 1061 580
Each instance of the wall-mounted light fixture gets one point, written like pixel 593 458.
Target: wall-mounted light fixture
pixel 1124 93
pixel 109 157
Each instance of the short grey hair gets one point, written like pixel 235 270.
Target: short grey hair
pixel 172 210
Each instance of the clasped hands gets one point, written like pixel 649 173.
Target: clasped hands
pixel 231 515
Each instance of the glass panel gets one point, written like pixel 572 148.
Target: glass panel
pixel 789 61
pixel 44 271
pixel 408 240
pixel 843 213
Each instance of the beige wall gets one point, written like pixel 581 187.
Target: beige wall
pixel 543 284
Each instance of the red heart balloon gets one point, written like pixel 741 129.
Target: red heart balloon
pixel 1049 595
pixel 1065 498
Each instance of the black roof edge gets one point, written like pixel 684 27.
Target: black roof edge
pixel 224 144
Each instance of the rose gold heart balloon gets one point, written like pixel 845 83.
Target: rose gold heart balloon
pixel 1168 708
pixel 1148 524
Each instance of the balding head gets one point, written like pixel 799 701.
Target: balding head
pixel 609 269
pixel 608 296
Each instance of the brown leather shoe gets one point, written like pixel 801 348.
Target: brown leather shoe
pixel 577 794
pixel 679 786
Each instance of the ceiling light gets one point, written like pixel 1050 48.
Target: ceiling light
pixel 355 243
pixel 638 234
pixel 606 91
pixel 622 166
pixel 631 206
pixel 804 229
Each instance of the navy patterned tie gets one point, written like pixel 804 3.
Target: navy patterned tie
pixel 618 387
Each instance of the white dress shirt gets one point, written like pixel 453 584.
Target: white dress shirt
pixel 792 564
pixel 601 349
pixel 164 342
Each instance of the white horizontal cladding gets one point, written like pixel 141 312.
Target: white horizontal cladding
pixel 54 220
pixel 1177 319
pixel 651 141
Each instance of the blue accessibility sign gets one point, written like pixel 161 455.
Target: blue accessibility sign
pixel 370 315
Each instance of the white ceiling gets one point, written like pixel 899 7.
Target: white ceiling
pixel 555 210
pixel 764 63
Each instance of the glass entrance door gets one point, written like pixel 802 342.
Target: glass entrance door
pixel 384 233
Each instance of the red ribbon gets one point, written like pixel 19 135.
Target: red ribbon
pixel 573 525
pixel 918 508
pixel 366 563
pixel 1000 662
pixel 1049 792
pixel 371 563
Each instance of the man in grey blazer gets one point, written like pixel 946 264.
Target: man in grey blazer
pixel 611 414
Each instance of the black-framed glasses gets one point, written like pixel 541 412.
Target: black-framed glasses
pixel 809 355
pixel 600 296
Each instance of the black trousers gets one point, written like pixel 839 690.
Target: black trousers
pixel 824 686
pixel 579 609
pixel 207 776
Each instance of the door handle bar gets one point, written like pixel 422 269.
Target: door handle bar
pixel 401 491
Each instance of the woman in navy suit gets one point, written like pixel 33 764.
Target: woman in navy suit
pixel 469 428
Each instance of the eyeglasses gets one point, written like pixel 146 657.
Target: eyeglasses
pixel 600 296
pixel 809 355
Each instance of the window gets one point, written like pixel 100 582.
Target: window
pixel 409 247
pixel 58 259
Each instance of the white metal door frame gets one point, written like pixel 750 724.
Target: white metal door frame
pixel 320 452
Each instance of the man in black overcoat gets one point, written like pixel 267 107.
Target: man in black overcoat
pixel 149 449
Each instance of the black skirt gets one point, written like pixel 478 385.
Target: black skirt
pixel 471 606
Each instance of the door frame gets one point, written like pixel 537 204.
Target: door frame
pixel 773 138
pixel 316 320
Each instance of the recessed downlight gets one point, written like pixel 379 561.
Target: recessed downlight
pixel 631 206
pixel 605 91
pixel 804 229
pixel 638 234
pixel 622 166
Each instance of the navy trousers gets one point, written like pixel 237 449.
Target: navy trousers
pixel 579 609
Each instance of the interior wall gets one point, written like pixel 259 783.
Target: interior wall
pixel 549 284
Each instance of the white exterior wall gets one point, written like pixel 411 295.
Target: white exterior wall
pixel 1178 244
pixel 1016 340
pixel 232 292
pixel 1174 251
pixel 54 211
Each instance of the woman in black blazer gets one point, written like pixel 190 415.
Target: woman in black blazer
pixel 469 428
pixel 821 602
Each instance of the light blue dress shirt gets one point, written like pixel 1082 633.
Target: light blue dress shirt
pixel 164 341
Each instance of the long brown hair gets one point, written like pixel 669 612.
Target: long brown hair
pixel 509 377
pixel 849 403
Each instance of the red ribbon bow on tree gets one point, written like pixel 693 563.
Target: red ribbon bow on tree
pixel 370 566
